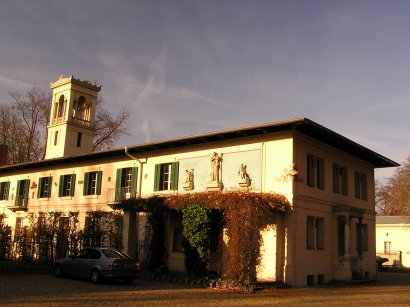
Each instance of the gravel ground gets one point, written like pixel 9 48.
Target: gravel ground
pixel 46 290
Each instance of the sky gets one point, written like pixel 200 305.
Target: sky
pixel 184 67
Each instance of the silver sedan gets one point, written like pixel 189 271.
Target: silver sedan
pixel 97 264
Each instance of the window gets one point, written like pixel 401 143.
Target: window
pixel 18 230
pixel 320 233
pixel 315 172
pixel 166 176
pixel 55 138
pixel 360 185
pixel 79 135
pixel 67 185
pixel 126 184
pixel 59 107
pixel 44 187
pixel 92 183
pixel 22 192
pixel 310 232
pixel 362 234
pixel 387 247
pixel 339 179
pixel 315 232
pixel 4 190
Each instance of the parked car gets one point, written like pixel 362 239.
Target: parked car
pixel 97 264
pixel 380 261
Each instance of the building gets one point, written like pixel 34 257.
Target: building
pixel 327 178
pixel 392 235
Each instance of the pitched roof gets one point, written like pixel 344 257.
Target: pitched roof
pixel 301 125
pixel 385 219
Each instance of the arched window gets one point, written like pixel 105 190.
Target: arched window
pixel 81 109
pixel 59 111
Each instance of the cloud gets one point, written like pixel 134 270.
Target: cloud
pixel 13 83
pixel 385 106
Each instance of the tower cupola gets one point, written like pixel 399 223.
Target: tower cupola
pixel 71 128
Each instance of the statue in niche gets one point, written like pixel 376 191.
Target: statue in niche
pixel 216 161
pixel 189 180
pixel 243 177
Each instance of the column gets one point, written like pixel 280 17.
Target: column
pixel 347 238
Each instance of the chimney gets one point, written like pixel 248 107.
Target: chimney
pixel 4 151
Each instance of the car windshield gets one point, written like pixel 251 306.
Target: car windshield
pixel 110 253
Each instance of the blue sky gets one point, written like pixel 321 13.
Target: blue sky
pixel 184 67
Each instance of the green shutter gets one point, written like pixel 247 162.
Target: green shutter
pixel 72 185
pixel 61 186
pixel 40 187
pixel 17 192
pixel 174 175
pixel 134 173
pixel 157 177
pixel 118 185
pixel 85 186
pixel 50 185
pixel 26 191
pixel 99 181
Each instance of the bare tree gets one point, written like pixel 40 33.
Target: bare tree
pixel 33 109
pixel 23 125
pixel 107 128
pixel 393 197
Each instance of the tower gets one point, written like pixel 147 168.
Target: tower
pixel 71 128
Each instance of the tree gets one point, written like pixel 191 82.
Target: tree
pixel 107 128
pixel 23 125
pixel 33 113
pixel 393 197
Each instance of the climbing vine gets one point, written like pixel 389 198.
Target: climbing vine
pixel 196 227
pixel 244 214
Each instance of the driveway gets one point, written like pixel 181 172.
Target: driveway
pixel 46 290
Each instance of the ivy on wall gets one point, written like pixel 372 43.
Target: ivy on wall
pixel 244 215
pixel 196 227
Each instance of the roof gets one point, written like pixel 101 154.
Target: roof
pixel 301 125
pixel 385 219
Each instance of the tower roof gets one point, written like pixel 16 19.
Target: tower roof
pixel 62 81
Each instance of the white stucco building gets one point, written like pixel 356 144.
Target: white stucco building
pixel 327 178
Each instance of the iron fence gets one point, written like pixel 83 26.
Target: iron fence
pixel 26 257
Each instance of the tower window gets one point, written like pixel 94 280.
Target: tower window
pixel 60 107
pixel 79 135
pixel 55 138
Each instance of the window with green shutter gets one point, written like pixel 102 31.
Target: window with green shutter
pixel 126 183
pixel 22 192
pixel 166 176
pixel 92 183
pixel 67 185
pixel 44 187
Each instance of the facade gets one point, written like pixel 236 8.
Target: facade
pixel 392 235
pixel 327 178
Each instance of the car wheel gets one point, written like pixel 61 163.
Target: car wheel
pixel 58 270
pixel 95 276
pixel 127 280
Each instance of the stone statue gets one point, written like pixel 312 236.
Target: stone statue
pixel 242 174
pixel 216 161
pixel 189 176
pixel 189 180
